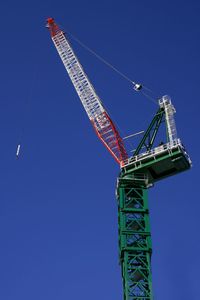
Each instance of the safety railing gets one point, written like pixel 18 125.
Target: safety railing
pixel 155 151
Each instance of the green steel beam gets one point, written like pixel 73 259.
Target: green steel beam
pixel 134 239
pixel 141 172
pixel 150 134
pixel 169 163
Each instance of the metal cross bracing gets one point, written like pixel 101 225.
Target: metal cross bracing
pixel 166 104
pixel 134 237
pixel 138 172
pixel 92 104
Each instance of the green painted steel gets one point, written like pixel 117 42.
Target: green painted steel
pixel 140 173
pixel 135 247
pixel 134 237
pixel 151 132
pixel 168 162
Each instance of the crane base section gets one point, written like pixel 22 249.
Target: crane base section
pixel 163 161
pixel 134 239
pixel 137 175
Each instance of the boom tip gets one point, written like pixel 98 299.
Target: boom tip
pixel 50 20
pixel 52 26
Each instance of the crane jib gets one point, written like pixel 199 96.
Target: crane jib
pixel 110 137
pixel 103 125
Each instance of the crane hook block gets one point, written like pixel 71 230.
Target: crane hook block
pixel 137 87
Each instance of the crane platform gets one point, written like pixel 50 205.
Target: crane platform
pixel 137 174
pixel 163 161
pixel 135 247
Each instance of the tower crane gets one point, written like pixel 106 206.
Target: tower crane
pixel 147 165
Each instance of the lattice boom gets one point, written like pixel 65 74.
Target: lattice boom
pixel 97 114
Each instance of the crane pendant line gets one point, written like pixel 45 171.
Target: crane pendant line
pixel 102 123
pixel 138 173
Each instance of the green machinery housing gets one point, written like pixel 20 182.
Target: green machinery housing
pixel 139 173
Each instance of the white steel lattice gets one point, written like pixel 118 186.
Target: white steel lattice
pixel 166 103
pixel 101 121
pixel 83 87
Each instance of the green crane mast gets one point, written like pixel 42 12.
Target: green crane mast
pixel 148 164
pixel 140 173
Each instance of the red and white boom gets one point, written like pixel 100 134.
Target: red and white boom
pixel 97 114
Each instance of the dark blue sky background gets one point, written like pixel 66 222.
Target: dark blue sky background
pixel 58 213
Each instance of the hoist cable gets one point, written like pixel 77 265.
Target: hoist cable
pixel 113 67
pixel 149 97
pixel 101 59
pixel 115 70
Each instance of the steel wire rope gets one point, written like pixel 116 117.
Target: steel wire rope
pixel 121 74
pixel 117 71
pixel 113 67
pixel 106 63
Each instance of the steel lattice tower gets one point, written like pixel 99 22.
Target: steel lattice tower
pixel 143 169
pixel 134 238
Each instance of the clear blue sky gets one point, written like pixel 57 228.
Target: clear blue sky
pixel 58 212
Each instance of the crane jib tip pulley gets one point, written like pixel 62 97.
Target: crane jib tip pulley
pixel 102 123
